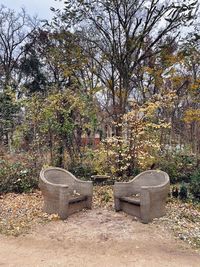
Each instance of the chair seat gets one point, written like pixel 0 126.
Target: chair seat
pixel 77 198
pixel 132 200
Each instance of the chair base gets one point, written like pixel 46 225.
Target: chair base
pixel 77 206
pixel 135 210
pixel 130 209
pixel 74 205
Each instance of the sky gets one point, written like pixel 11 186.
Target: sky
pixel 34 7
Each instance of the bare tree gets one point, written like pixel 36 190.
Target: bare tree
pixel 15 30
pixel 125 33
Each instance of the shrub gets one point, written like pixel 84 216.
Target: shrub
pixel 92 162
pixel 82 170
pixel 16 177
pixel 195 185
pixel 101 160
pixel 175 191
pixel 170 168
pixel 180 167
pixel 183 193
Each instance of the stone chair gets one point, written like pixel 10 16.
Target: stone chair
pixel 63 193
pixel 144 196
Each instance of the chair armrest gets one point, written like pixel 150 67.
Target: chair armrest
pixel 158 189
pixel 51 186
pixel 124 189
pixel 153 194
pixel 55 191
pixel 152 201
pixel 84 187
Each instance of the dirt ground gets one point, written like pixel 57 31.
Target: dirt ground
pixel 98 237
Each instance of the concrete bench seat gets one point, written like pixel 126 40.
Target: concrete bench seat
pixel 132 199
pixel 144 196
pixel 63 193
pixel 75 199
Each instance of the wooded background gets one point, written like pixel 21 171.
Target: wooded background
pixel 127 70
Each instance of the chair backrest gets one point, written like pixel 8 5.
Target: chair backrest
pixel 151 178
pixel 59 176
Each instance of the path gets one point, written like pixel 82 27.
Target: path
pixel 97 238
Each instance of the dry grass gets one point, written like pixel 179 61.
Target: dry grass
pixel 21 212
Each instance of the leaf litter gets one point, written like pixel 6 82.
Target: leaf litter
pixel 21 212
